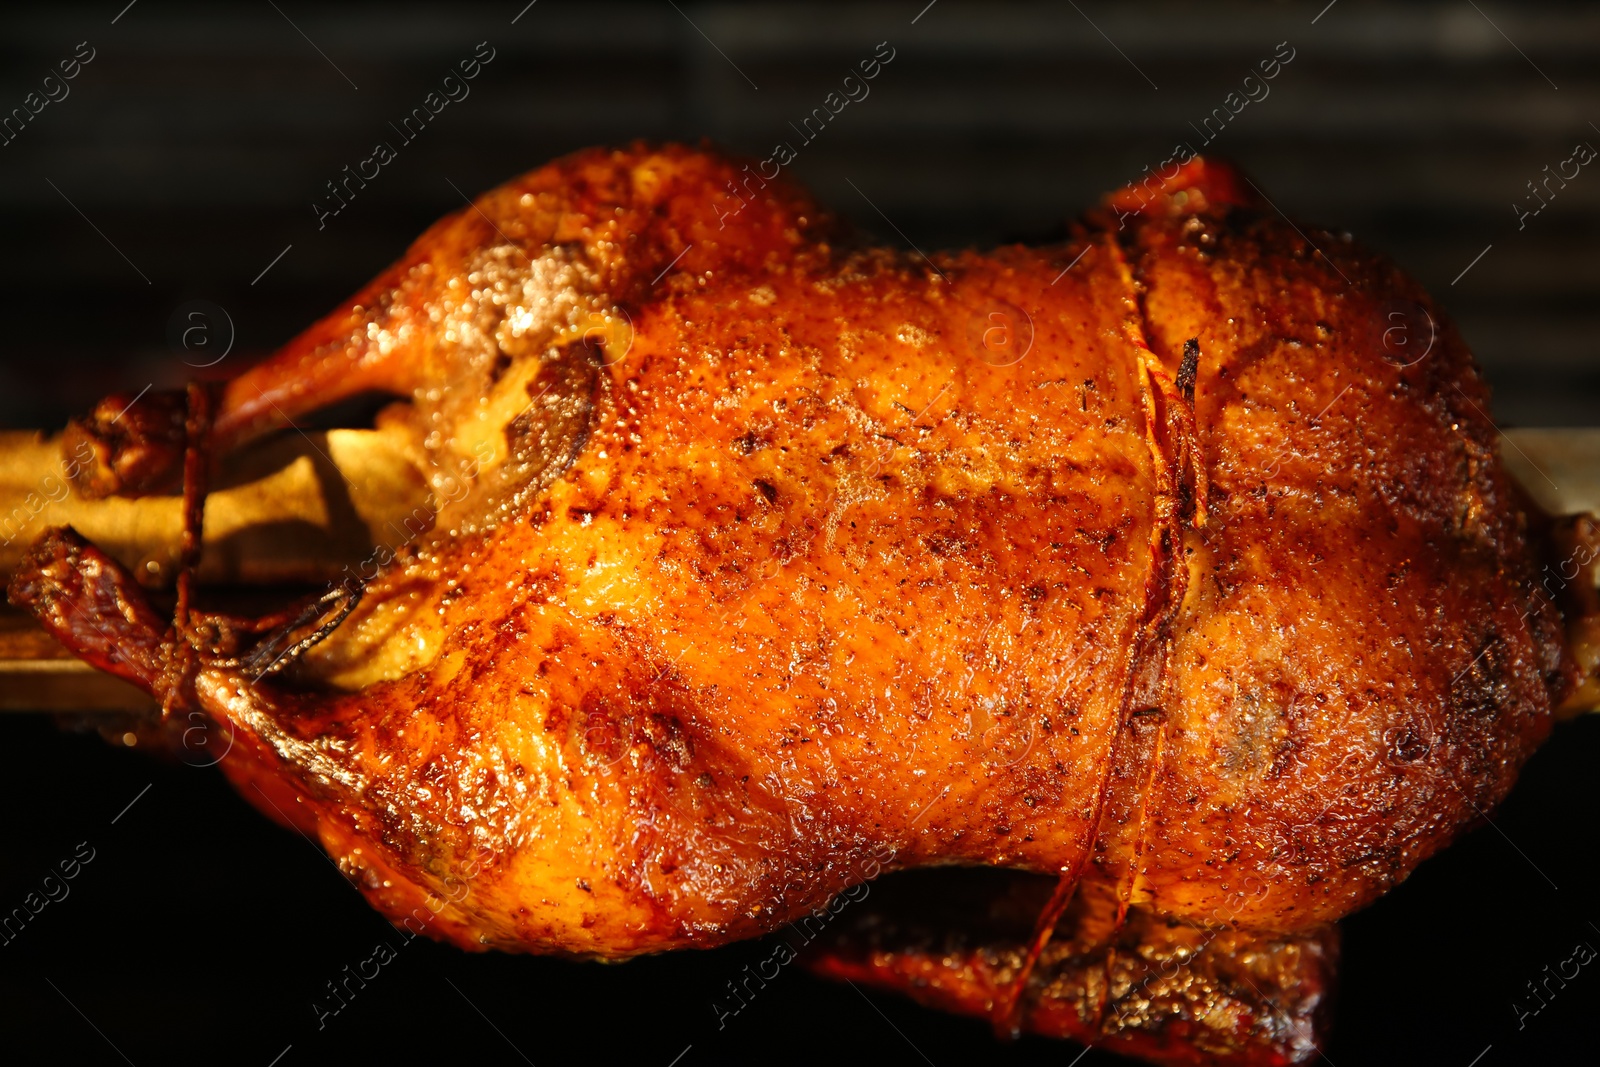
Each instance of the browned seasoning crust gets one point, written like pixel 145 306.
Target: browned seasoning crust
pixel 1362 662
pixel 788 560
pixel 1168 993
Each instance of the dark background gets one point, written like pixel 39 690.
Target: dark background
pixel 187 156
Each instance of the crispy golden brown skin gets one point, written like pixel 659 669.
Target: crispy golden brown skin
pixel 758 555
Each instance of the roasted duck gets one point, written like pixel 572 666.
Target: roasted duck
pixel 761 562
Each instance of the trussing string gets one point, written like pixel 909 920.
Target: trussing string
pixel 196 451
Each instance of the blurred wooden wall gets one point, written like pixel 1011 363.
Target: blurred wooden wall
pixel 199 136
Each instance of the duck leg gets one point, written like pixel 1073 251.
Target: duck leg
pixel 1166 993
